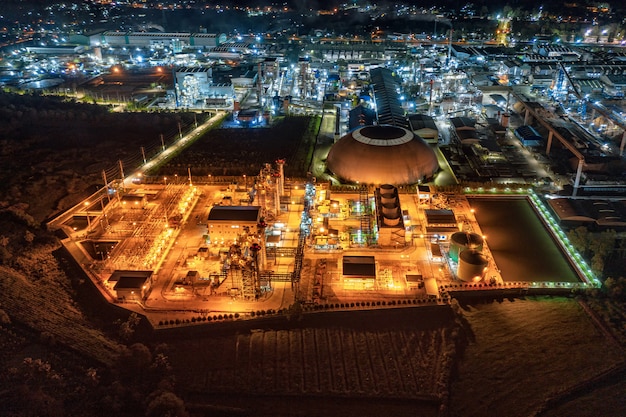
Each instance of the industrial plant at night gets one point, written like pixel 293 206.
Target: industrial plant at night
pixel 295 210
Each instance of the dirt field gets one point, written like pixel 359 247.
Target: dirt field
pixel 525 351
pixel 335 363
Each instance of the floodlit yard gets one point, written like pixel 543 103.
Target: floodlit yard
pixel 525 351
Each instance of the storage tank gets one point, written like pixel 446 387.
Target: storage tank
pixel 472 264
pixel 387 188
pixel 461 241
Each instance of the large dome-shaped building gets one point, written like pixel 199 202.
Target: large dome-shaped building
pixel 382 155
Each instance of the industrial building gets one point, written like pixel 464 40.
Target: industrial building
pixel 358 272
pixel 528 136
pixel 424 126
pixel 130 285
pixel 382 154
pixel 595 214
pixel 174 40
pixel 226 223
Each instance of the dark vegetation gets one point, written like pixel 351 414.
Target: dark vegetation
pixel 232 152
pixel 52 152
pixel 53 359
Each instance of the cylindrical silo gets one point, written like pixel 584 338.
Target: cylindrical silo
pixel 472 264
pixel 461 241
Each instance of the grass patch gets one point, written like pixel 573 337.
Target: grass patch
pixel 523 352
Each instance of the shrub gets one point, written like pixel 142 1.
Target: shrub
pixel 384 302
pixel 220 317
pixel 171 322
pixel 209 318
pixel 193 319
pixel 230 316
pixel 177 321
pixel 214 317
pixel 252 313
pixel 236 315
pixel 160 322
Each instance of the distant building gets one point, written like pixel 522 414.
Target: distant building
pixel 195 87
pixel 615 85
pixel 173 40
pixel 528 136
pixel 596 214
pixel 424 126
pixel 361 116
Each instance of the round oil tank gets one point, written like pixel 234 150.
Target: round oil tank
pixel 460 241
pixel 388 198
pixel 471 264
pixel 390 210
pixel 387 188
pixel 391 221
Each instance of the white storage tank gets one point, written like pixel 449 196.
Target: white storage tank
pixel 472 265
pixel 461 241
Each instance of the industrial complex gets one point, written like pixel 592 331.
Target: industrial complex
pixel 411 129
